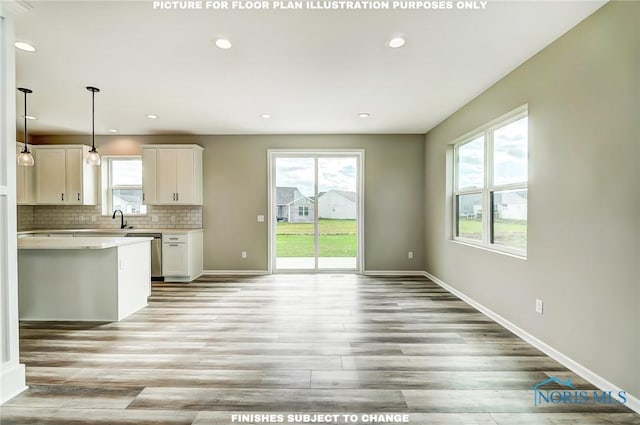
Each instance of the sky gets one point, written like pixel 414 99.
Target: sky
pixel 509 157
pixel 333 174
pixel 126 172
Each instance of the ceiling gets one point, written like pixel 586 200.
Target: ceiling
pixel 313 71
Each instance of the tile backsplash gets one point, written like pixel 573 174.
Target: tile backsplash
pixel 25 217
pixel 87 216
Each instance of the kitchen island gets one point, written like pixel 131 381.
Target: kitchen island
pixel 83 278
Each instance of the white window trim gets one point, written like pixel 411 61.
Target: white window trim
pixel 107 188
pixel 489 187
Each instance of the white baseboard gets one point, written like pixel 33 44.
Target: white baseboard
pixel 12 381
pixel 265 272
pixel 234 272
pixel 601 383
pixel 393 273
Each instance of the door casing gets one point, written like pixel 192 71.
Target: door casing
pixel 272 154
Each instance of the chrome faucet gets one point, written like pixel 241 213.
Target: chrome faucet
pixel 123 223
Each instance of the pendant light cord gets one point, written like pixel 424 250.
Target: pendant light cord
pixel 26 91
pixel 26 148
pixel 93 91
pixel 93 120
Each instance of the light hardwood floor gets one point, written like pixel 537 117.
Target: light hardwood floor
pixel 284 344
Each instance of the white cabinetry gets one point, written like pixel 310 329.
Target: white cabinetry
pixel 63 177
pixel 172 174
pixel 149 159
pixel 175 261
pixel 25 192
pixel 182 256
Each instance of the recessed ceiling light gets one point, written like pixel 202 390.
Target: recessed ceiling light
pixel 396 42
pixel 364 115
pixel 112 130
pixel 30 117
pixel 152 117
pixel 265 116
pixel 223 43
pixel 24 46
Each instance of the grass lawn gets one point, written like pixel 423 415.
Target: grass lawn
pixel 337 238
pixel 511 233
pixel 327 226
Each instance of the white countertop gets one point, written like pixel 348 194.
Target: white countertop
pixel 92 242
pixel 108 231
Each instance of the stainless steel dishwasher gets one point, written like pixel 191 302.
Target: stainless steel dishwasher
pixel 156 252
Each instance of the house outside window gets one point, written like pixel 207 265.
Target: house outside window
pixel 303 211
pixel 124 189
pixel 491 185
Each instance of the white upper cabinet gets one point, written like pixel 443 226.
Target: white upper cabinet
pixel 149 159
pixel 25 190
pixel 74 176
pixel 63 177
pixel 50 175
pixel 172 174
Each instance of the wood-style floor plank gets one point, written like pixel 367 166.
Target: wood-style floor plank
pixel 223 345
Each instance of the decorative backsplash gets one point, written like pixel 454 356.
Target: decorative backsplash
pixel 25 217
pixel 89 217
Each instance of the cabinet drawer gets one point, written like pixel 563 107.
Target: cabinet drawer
pixel 177 237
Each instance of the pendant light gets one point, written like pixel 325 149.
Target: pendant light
pixel 24 157
pixel 94 157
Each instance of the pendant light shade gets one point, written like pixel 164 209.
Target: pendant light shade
pixel 94 157
pixel 24 157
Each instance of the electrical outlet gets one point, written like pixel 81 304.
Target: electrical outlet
pixel 121 264
pixel 260 218
pixel 93 218
pixel 173 218
pixel 81 219
pixel 410 254
pixel 155 218
pixel 539 306
pixel 244 254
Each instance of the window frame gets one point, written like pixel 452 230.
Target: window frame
pixel 108 186
pixel 303 211
pixel 489 188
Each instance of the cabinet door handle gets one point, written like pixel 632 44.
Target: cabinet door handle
pixel 173 244
pixel 177 196
pixel 78 196
pixel 62 195
pixel 143 197
pixel 173 197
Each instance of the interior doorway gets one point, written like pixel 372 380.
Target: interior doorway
pixel 316 200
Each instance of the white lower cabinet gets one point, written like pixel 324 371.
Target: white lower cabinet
pixel 175 260
pixel 182 256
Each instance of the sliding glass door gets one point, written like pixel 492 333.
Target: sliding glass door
pixel 316 210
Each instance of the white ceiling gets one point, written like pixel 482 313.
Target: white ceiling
pixel 313 71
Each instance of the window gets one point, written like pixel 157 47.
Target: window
pixel 124 189
pixel 490 185
pixel 303 211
